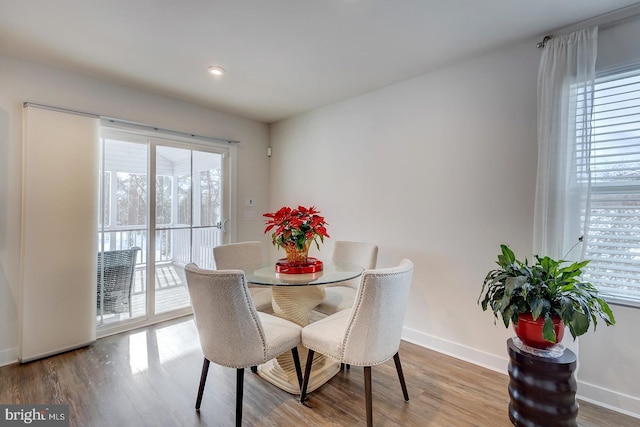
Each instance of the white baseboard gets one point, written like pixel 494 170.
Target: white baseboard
pixel 468 354
pixel 8 356
pixel 57 351
pixel 609 399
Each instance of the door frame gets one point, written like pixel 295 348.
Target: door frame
pixel 228 213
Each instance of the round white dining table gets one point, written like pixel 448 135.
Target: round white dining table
pixel 294 297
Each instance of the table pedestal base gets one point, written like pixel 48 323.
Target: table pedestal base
pixel 281 371
pixel 294 303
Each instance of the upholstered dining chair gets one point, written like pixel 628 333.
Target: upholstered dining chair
pixel 341 296
pixel 238 256
pixel 232 332
pixel 369 333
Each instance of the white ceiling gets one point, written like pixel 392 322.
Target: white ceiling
pixel 282 57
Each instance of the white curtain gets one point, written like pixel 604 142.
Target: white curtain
pixel 566 79
pixel 59 232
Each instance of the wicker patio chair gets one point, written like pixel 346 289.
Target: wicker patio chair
pixel 118 267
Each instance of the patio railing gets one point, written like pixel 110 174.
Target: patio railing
pixel 172 247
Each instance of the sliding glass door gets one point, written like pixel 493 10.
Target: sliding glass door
pixel 123 226
pixel 189 206
pixel 179 221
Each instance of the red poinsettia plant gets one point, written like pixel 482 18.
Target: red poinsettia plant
pixel 296 227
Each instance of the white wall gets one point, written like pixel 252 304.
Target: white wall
pixel 441 169
pixel 24 81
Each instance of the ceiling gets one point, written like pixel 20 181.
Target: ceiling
pixel 282 57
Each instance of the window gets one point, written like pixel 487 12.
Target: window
pixel 184 199
pixel 211 196
pixel 164 199
pixel 612 240
pixel 131 198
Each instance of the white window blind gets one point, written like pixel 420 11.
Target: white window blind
pixel 612 239
pixel 59 219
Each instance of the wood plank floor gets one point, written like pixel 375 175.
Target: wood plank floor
pixel 149 377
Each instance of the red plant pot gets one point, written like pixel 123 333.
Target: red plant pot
pixel 530 331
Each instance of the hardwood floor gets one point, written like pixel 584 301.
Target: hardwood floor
pixel 150 376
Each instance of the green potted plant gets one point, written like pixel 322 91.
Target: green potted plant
pixel 549 291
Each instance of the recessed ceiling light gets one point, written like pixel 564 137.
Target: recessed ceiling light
pixel 216 71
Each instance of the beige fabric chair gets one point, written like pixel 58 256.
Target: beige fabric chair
pixel 239 256
pixel 341 296
pixel 232 332
pixel 367 334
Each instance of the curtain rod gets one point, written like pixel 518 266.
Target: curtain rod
pixel 129 124
pixel 607 20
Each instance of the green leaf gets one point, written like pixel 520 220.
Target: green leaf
pixel 548 330
pixel 536 305
pixel 579 324
pixel 507 315
pixel 510 284
pixel 606 313
pixel 507 258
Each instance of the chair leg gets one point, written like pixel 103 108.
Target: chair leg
pixel 368 396
pixel 203 379
pixel 307 374
pixel 239 390
pixel 296 363
pixel 396 359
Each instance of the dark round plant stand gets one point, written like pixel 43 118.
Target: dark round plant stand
pixel 542 389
